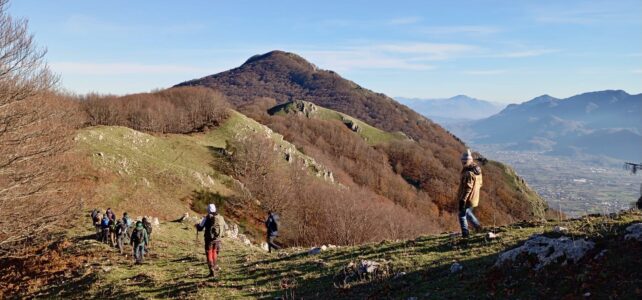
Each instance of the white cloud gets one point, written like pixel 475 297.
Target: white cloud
pixel 586 12
pixel 345 60
pixel 450 30
pixel 484 72
pixel 396 56
pixel 638 71
pixel 526 53
pixel 88 68
pixel 404 21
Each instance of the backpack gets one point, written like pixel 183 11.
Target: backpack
pixel 217 230
pixel 121 228
pixel 148 227
pixel 139 236
pixel 274 225
pixel 105 223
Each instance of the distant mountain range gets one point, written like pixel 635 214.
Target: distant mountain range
pixel 455 109
pixel 605 123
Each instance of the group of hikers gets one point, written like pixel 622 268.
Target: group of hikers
pixel 109 229
pixel 120 232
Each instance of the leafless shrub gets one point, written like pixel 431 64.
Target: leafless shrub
pixel 175 110
pixel 36 128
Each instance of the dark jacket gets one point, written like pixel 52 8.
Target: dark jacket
pixel 271 224
pixel 207 223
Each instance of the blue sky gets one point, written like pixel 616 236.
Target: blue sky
pixel 504 51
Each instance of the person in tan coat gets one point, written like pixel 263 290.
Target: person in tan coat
pixel 468 193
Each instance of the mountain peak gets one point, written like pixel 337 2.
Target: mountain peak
pixel 280 57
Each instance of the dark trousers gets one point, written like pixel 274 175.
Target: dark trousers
pixel 271 244
pixel 139 253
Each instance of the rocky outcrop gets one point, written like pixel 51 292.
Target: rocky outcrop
pixel 547 251
pixel 634 232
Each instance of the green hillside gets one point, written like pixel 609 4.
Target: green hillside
pixel 418 268
pixel 369 133
pixel 156 174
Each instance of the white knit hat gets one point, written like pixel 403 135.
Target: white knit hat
pixel 467 155
pixel 211 208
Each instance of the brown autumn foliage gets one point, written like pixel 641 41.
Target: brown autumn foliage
pixel 39 187
pixel 314 211
pixel 175 110
pixel 430 164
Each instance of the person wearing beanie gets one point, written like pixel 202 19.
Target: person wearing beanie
pixel 468 192
pixel 139 241
pixel 214 226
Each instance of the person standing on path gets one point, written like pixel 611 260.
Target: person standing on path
pixel 272 226
pixel 468 193
pixel 214 226
pixel 139 241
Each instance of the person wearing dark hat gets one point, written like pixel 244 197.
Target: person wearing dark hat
pixel 468 192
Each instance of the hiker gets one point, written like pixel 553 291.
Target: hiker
pixel 110 214
pixel 121 234
pixel 127 220
pixel 104 227
pixel 96 218
pixel 468 193
pixel 214 226
pixel 148 227
pixel 139 241
pixel 112 232
pixel 272 226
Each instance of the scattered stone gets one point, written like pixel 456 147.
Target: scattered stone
pixel 456 268
pixel 331 246
pixel 321 263
pixel 264 246
pixel 233 231
pixel 100 154
pixel 184 218
pixel 314 251
pixel 634 232
pixel 156 222
pixel 324 247
pixel 492 235
pixel 106 269
pixel 244 239
pixel 560 229
pixel 548 250
pixel 368 266
pixel 399 275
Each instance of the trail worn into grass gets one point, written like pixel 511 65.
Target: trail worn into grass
pixel 175 267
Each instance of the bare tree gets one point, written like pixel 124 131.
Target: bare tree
pixel 36 127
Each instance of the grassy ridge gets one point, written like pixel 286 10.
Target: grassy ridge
pixel 157 174
pixel 369 133
pixel 415 268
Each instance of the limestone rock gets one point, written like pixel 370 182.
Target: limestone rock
pixel 314 251
pixel 634 232
pixel 548 250
pixel 456 268
pixel 560 229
